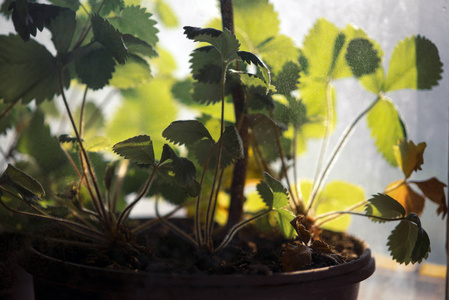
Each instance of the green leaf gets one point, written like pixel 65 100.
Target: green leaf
pixel 287 79
pixel 110 38
pixel 138 46
pixel 30 17
pixel 138 149
pixel 72 4
pixel 95 69
pixel 206 93
pixel 386 128
pixel 136 21
pixel 314 97
pixel 402 242
pixel 265 193
pixel 186 132
pixel 43 148
pixel 421 249
pixel 24 181
pixel 280 195
pixel 62 29
pixel 135 72
pixel 414 64
pixel 384 206
pixel 251 58
pixel 361 57
pixel 319 48
pixel 29 71
pixel 232 146
pixel 224 41
pixel 166 14
pixel 142 112
pixel 277 52
pixel 283 218
pixel 184 169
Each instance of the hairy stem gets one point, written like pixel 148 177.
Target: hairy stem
pixel 336 151
pixel 142 193
pixel 172 226
pixel 97 199
pixel 237 227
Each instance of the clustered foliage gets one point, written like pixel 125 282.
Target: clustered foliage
pixel 288 98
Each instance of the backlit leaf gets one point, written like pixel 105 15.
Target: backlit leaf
pixel 37 142
pixel 283 218
pixel 409 156
pixel 404 194
pixel 138 149
pixel 184 169
pixel 95 69
pixel 384 206
pixel 314 97
pixel 265 193
pixel 361 57
pixel 24 181
pixel 135 72
pixel 142 112
pixel 166 14
pixel 186 132
pixel 224 41
pixel 138 46
pixel 110 38
pixel 62 29
pixel 30 17
pixel 288 78
pixel 337 196
pixel 434 190
pixel 386 128
pixel 251 58
pixel 414 64
pixel 136 21
pixel 29 71
pixel 280 195
pixel 319 48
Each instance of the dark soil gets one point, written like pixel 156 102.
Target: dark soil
pixel 163 251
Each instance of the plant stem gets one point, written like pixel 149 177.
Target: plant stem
pixel 83 108
pixel 85 231
pixel 333 215
pixel 284 165
pixel 220 142
pixel 328 126
pixel 239 226
pixel 173 227
pixel 98 200
pixel 364 215
pixel 336 151
pixel 142 193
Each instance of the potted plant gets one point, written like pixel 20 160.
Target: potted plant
pixel 89 220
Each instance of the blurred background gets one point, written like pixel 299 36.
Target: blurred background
pixel 425 114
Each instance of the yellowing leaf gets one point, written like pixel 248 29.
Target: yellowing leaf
pixel 409 156
pixel 337 196
pixel 434 190
pixel 404 194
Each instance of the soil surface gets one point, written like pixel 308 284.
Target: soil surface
pixel 163 251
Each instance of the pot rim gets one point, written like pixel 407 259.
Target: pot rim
pixel 354 271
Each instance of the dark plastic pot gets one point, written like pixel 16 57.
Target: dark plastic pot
pixel 15 283
pixel 57 279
